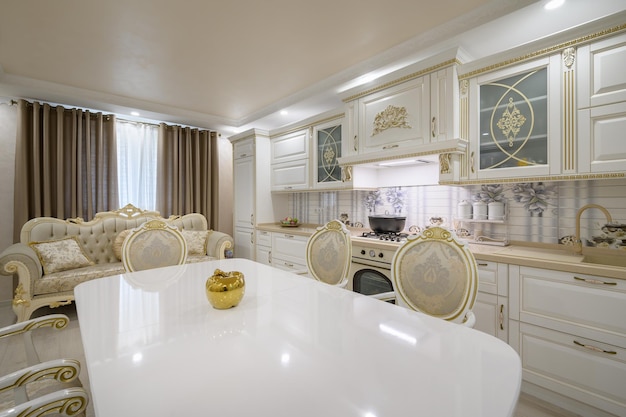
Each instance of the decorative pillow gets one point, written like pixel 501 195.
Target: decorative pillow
pixel 61 255
pixel 119 241
pixel 196 241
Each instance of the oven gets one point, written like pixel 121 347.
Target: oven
pixel 370 269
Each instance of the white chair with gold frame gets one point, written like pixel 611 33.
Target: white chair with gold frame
pixel 329 253
pixel 154 244
pixel 42 388
pixel 435 273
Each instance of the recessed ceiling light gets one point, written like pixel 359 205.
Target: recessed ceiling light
pixel 284 112
pixel 134 113
pixel 553 4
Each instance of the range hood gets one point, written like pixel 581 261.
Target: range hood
pixel 406 155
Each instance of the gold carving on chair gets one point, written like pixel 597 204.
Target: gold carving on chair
pixel 569 57
pixel 444 163
pixel 392 116
pixel 511 121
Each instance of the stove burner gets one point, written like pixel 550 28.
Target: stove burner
pixel 390 236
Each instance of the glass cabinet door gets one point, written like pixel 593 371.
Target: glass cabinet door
pixel 514 121
pixel 328 149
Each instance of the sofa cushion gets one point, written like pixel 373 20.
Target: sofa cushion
pixel 61 255
pixel 67 280
pixel 196 241
pixel 118 242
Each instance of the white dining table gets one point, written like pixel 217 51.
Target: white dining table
pixel 154 346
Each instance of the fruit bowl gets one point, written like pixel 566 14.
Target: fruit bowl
pixel 289 222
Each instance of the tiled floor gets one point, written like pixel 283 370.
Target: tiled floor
pixel 67 343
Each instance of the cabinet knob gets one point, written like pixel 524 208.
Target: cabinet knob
pixel 390 146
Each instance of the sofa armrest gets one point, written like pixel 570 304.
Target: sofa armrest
pixel 21 260
pixel 219 245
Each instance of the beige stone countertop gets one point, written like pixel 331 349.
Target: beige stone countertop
pixel 539 255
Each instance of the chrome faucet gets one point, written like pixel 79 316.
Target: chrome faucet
pixel 579 244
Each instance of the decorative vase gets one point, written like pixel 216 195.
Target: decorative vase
pixel 225 289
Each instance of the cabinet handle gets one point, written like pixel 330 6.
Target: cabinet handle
pixel 243 155
pixel 390 146
pixel 356 143
pixel 287 264
pixel 288 188
pixel 501 316
pixel 252 238
pixel 269 257
pixel 595 348
pixel 595 281
pixel 483 264
pixel 252 219
pixel 289 236
pixel 433 127
pixel 472 162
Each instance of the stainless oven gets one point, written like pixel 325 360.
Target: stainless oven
pixel 370 269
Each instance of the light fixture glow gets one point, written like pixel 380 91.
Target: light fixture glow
pixel 553 4
pixel 137 357
pixel 284 112
pixel 285 358
pixel 134 113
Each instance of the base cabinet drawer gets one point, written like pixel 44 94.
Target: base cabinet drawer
pixel 288 265
pixel 586 370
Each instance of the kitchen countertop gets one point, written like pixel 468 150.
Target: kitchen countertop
pixel 539 255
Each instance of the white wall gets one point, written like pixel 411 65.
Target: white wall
pixel 8 115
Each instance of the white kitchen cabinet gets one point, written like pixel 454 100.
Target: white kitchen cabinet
pixel 601 78
pixel 601 84
pixel 395 117
pixel 290 161
pixel 514 116
pixel 571 336
pixel 328 146
pixel 289 251
pixel 491 307
pixel 253 202
pixel 264 247
pixel 601 144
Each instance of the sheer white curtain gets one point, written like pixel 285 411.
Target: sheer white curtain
pixel 137 145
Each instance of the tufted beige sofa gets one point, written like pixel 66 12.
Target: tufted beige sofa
pixel 36 288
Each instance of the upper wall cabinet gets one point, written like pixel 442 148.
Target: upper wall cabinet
pixel 601 86
pixel 290 161
pixel 406 114
pixel 328 147
pixel 515 121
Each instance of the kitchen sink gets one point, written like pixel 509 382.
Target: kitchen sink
pixel 611 260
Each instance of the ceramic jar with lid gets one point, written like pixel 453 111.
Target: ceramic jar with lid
pixel 464 210
pixel 479 210
pixel 495 210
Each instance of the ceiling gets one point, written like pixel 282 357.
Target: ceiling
pixel 231 65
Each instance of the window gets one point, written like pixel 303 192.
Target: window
pixel 137 145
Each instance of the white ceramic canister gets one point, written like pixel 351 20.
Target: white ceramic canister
pixel 480 210
pixel 464 210
pixel 495 210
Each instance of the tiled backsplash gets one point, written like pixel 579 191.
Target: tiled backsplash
pixel 536 212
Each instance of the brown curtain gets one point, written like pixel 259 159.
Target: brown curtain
pixel 188 177
pixel 65 163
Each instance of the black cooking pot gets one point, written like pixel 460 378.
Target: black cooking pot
pixel 385 223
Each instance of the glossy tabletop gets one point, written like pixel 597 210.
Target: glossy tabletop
pixel 154 346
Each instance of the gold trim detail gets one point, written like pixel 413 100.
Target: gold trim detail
pixel 391 117
pixel 19 296
pixel 572 177
pixel 400 80
pixel 511 122
pixel 546 51
pixel 464 87
pixel 346 173
pixel 569 57
pixel 444 163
